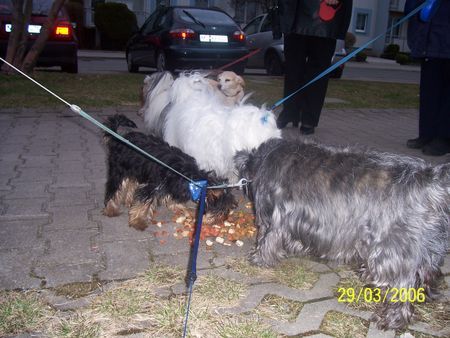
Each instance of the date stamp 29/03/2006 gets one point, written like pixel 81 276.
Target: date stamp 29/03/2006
pixel 377 295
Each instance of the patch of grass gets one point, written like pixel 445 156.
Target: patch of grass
pixel 87 90
pixel 125 300
pixel 341 325
pixel 167 318
pixel 76 326
pixel 295 274
pixel 92 90
pixel 219 290
pixel 234 327
pixel 21 312
pixel 291 272
pixel 163 275
pixel 356 94
pixel 435 314
pixel 242 266
pixel 279 308
pixel 352 283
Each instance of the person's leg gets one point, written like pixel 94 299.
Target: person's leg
pixel 320 52
pixel 434 120
pixel 430 96
pixel 295 59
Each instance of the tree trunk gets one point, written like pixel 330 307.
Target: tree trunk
pixel 18 24
pixel 35 50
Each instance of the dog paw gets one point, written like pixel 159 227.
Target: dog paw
pixel 111 211
pixel 256 259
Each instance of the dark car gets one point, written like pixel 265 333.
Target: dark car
pixel 179 37
pixel 271 55
pixel 61 47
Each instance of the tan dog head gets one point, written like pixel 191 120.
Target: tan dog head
pixel 231 84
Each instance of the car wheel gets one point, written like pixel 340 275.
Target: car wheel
pixel 132 68
pixel 70 68
pixel 273 64
pixel 162 62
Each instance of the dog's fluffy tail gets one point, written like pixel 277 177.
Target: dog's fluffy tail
pixel 156 98
pixel 116 121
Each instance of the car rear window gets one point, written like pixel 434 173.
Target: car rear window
pixel 40 7
pixel 207 17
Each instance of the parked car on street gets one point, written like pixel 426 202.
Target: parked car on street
pixel 62 46
pixel 271 56
pixel 180 37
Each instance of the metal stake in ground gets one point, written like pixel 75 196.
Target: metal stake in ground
pixel 197 195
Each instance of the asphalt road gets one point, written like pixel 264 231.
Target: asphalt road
pixel 371 71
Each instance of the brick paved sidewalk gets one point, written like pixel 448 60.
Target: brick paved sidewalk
pixel 52 232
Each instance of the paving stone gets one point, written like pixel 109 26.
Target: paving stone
pixel 70 196
pixel 16 268
pixel 19 234
pixel 125 259
pixel 70 179
pixel 57 274
pixel 26 190
pixel 24 208
pixel 70 217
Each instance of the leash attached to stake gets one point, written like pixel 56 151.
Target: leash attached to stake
pixel 198 194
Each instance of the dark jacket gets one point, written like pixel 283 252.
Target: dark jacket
pixel 429 39
pixel 302 17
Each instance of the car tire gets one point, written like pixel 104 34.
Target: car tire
pixel 162 62
pixel 273 64
pixel 132 68
pixel 70 67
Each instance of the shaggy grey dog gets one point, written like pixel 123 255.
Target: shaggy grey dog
pixel 388 213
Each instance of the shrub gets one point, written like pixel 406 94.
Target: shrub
pixel 391 51
pixel 361 57
pixel 116 24
pixel 402 59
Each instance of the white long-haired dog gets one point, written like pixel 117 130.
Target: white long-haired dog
pixel 198 123
pixel 156 97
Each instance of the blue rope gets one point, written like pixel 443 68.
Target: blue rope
pixel 349 56
pixel 198 230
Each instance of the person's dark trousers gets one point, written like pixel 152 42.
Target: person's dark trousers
pixel 306 57
pixel 434 115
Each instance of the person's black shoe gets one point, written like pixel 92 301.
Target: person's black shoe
pixel 305 130
pixel 418 143
pixel 437 147
pixel 284 119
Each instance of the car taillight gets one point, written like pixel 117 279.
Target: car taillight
pixel 63 30
pixel 182 33
pixel 239 36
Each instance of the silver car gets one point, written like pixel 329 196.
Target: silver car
pixel 271 55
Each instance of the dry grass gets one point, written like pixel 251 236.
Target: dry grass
pixel 22 312
pixel 291 272
pixel 279 308
pixel 340 325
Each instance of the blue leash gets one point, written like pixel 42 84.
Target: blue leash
pixel 194 252
pixel 352 54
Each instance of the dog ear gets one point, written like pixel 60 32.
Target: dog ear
pixel 241 161
pixel 240 80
